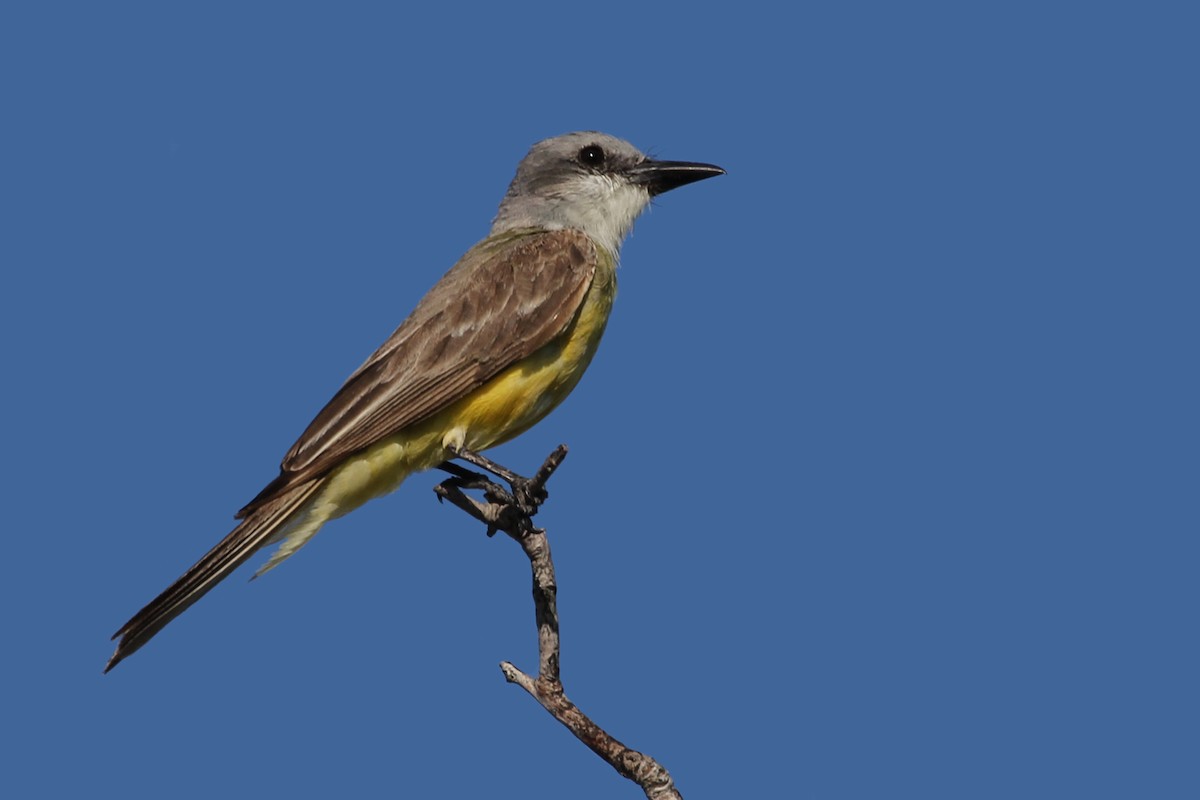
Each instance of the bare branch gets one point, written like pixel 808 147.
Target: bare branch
pixel 510 512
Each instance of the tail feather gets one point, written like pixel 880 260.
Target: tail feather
pixel 242 542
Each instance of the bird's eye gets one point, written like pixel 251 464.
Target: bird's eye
pixel 592 156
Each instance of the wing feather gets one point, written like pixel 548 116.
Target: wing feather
pixel 501 302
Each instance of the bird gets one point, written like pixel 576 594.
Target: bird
pixel 497 343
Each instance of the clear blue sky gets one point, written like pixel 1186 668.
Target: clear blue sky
pixel 883 483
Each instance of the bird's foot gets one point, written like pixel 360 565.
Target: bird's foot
pixel 510 510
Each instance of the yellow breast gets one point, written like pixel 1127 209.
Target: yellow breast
pixel 520 396
pixel 504 407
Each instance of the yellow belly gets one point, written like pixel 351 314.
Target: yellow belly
pixel 501 409
pixel 504 407
pixel 516 399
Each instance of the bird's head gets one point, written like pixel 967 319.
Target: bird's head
pixel 591 182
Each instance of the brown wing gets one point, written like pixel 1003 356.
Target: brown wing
pixel 501 302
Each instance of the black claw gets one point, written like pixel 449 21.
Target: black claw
pixel 512 509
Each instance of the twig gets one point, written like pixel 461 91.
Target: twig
pixel 503 511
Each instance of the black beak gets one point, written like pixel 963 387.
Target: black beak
pixel 663 176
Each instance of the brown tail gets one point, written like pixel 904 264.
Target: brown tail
pixel 241 543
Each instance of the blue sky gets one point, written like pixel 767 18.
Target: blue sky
pixel 882 484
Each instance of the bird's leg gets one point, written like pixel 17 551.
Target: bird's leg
pixel 527 493
pixel 466 479
pixel 511 512
pixel 486 464
pixel 499 512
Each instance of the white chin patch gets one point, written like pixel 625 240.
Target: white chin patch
pixel 609 210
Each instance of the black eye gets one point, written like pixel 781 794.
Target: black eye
pixel 592 156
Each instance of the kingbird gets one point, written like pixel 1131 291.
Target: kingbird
pixel 494 346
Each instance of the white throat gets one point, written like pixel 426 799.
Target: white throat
pixel 601 206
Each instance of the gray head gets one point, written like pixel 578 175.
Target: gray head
pixel 591 182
